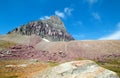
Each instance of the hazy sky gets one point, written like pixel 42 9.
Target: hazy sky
pixel 84 19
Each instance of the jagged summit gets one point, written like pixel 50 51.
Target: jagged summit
pixel 52 29
pixel 56 20
pixel 58 24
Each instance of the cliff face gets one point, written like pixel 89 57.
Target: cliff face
pixel 52 29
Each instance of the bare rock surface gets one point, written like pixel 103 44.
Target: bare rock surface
pixel 77 69
pixel 52 29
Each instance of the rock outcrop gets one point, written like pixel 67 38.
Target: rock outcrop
pixel 78 69
pixel 52 29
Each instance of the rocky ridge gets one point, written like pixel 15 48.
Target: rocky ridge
pixel 52 29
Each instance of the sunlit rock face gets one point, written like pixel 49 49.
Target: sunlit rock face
pixel 78 69
pixel 52 29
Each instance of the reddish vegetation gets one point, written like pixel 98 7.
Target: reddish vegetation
pixel 104 58
pixel 29 52
pixel 58 55
pixel 95 50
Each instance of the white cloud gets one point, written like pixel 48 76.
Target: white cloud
pixel 68 11
pixel 64 13
pixel 45 17
pixel 78 23
pixel 113 36
pixel 91 2
pixel 79 36
pixel 96 16
pixel 60 14
pixel 118 25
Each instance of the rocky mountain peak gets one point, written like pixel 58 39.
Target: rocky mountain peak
pixel 56 20
pixel 52 29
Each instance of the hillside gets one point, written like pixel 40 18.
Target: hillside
pixel 73 49
pixel 105 52
pixel 35 48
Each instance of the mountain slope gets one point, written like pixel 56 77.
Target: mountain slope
pixel 95 50
pixel 85 49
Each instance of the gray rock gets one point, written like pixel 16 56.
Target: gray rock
pixel 52 29
pixel 78 69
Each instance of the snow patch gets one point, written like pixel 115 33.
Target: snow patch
pixel 46 40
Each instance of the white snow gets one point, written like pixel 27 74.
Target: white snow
pixel 46 40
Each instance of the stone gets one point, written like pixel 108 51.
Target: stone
pixel 56 20
pixel 78 69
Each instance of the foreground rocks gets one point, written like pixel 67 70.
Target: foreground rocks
pixel 77 69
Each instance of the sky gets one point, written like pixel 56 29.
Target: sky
pixel 83 19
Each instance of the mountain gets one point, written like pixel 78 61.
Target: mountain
pixel 51 29
pixel 41 47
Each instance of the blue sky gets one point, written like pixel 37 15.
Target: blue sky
pixel 84 19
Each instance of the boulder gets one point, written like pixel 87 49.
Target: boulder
pixel 78 69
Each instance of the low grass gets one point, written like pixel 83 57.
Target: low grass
pixel 6 44
pixel 52 64
pixel 112 64
pixel 20 72
pixel 13 77
pixel 80 59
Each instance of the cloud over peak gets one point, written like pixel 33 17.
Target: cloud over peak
pixel 60 14
pixel 45 17
pixel 67 11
